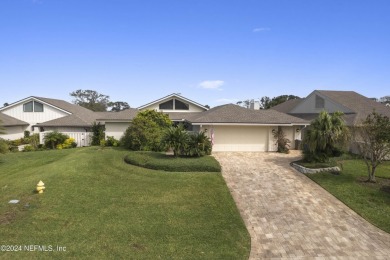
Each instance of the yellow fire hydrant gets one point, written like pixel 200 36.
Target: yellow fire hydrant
pixel 40 187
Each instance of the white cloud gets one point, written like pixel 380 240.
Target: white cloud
pixel 262 29
pixel 227 100
pixel 212 84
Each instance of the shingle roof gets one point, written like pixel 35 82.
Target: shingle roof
pixel 179 116
pixel 287 106
pixel 235 114
pixel 127 114
pixel 7 120
pixel 360 104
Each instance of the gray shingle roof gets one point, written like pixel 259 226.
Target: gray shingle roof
pixel 127 114
pixel 360 104
pixel 287 106
pixel 7 120
pixel 235 114
pixel 179 116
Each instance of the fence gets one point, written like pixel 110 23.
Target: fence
pixel 81 138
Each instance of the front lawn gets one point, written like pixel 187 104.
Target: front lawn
pixel 98 206
pixel 371 201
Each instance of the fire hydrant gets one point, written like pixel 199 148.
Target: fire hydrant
pixel 40 187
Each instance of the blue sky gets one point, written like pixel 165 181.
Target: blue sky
pixel 211 51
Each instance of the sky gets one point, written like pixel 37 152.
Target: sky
pixel 210 51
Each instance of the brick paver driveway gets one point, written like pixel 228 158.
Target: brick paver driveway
pixel 289 216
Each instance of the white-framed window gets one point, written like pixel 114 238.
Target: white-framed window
pixel 33 106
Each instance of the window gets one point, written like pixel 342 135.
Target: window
pixel 320 102
pixel 180 105
pixel 33 106
pixel 167 105
pixel 28 107
pixel 38 107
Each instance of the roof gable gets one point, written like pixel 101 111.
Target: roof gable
pixel 172 96
pixel 308 105
pixel 41 100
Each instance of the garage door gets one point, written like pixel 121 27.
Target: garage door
pixel 240 138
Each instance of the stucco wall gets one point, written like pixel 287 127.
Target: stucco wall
pixel 13 132
pixel 116 129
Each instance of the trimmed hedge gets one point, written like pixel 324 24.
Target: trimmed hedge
pixel 161 161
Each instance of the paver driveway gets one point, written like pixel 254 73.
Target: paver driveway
pixel 289 216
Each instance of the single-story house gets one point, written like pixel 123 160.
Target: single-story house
pixel 231 127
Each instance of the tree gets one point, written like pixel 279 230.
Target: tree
pixel 118 106
pixel 244 103
pixel 145 131
pixel 98 133
pixel 326 137
pixel 385 100
pixel 373 141
pixel 90 99
pixel 267 102
pixel 264 102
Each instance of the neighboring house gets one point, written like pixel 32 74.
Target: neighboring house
pixel 231 127
pixel 355 107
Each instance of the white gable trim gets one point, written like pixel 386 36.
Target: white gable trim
pixel 35 99
pixel 173 96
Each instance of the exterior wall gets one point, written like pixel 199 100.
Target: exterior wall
pixel 49 113
pixel 192 107
pixel 289 131
pixel 116 129
pixel 65 129
pixel 308 106
pixel 239 138
pixel 13 132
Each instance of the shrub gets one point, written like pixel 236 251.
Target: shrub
pixel 55 138
pixel 28 148
pixel 98 133
pixel 177 138
pixel 26 134
pixel 34 141
pixel 145 131
pixel 3 146
pixel 111 141
pixel 199 144
pixel 69 143
pixel 281 141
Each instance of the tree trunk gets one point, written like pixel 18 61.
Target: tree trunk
pixel 371 176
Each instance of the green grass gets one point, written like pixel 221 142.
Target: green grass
pixel 97 206
pixel 161 161
pixel 371 201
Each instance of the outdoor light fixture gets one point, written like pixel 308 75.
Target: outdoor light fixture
pixel 298 130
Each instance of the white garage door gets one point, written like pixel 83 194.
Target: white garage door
pixel 240 138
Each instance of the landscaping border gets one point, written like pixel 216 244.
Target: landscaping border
pixel 305 170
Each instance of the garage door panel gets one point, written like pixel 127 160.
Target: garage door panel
pixel 240 138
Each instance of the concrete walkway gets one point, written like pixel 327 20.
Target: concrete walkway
pixel 289 216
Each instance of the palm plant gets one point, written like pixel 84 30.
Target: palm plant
pixel 325 137
pixel 176 138
pixel 199 144
pixel 54 138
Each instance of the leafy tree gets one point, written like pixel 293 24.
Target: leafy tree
pixel 90 99
pixel 3 146
pixel 326 137
pixel 176 137
pixel 373 140
pixel 54 138
pixel 385 100
pixel 98 133
pixel 267 102
pixel 118 106
pixel 145 131
pixel 281 141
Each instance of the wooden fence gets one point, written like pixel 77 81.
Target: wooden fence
pixel 81 138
